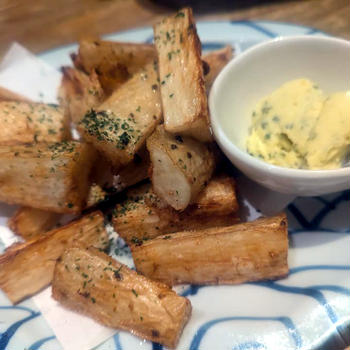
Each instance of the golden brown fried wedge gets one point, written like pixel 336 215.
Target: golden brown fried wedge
pixel 217 198
pixel 214 62
pixel 118 297
pixel 135 171
pixel 114 62
pixel 120 126
pixel 28 267
pixel 227 255
pixel 24 122
pixel 183 92
pixel 52 177
pixel 181 167
pixel 79 93
pixel 8 95
pixel 30 222
pixel 144 224
pixel 141 217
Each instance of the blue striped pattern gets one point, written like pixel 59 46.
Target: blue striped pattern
pixel 117 343
pixel 286 321
pixel 313 293
pixel 259 28
pixel 6 336
pixel 37 345
pixel 328 206
pixel 252 345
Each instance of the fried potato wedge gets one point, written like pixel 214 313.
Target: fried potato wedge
pixel 114 62
pixel 28 267
pixel 214 62
pixel 26 122
pixel 119 127
pixel 79 92
pixel 235 254
pixel 118 297
pixel 134 172
pixel 52 177
pixel 181 167
pixel 30 222
pixel 217 198
pixel 8 95
pixel 141 217
pixel 183 92
pixel 144 224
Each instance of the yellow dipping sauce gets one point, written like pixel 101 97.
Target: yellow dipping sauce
pixel 298 126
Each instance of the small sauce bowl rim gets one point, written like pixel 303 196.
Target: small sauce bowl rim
pixel 243 156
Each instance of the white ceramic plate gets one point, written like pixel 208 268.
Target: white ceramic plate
pixel 308 310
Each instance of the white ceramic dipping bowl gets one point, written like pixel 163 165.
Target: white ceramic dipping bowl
pixel 256 73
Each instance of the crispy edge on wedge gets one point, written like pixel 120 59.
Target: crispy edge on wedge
pixel 26 268
pixel 79 92
pixel 8 95
pixel 30 222
pixel 214 62
pixel 114 62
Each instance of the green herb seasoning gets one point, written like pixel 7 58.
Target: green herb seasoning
pixel 266 109
pixel 117 274
pixel 59 148
pixel 136 241
pixel 106 126
pixel 179 14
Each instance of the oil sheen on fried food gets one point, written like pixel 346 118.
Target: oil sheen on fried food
pixel 299 126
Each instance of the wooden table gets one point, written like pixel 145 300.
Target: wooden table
pixel 44 24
